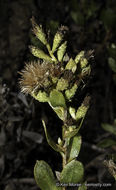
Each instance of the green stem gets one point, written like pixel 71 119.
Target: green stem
pixel 51 54
pixel 64 155
pixel 64 160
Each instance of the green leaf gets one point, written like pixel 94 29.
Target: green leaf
pixel 57 102
pixel 71 65
pixel 72 173
pixel 74 147
pixel 106 143
pixel 112 64
pixel 40 54
pixel 41 96
pixel 61 112
pixel 109 128
pixel 44 176
pixel 57 99
pixel 55 146
pixel 61 51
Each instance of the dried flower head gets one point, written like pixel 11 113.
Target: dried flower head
pixel 34 76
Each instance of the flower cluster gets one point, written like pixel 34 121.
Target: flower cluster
pixel 54 79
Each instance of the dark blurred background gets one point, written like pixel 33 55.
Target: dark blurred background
pixel 92 25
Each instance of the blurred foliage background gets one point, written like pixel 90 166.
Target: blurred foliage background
pixel 91 25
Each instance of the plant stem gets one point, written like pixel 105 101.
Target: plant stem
pixel 64 160
pixel 51 54
pixel 64 156
pixel 63 164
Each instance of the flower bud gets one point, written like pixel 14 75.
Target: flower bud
pixel 71 65
pixel 57 40
pixel 61 51
pixel 62 84
pixel 82 110
pixel 79 56
pixel 40 54
pixel 38 31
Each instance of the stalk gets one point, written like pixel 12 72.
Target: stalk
pixel 51 54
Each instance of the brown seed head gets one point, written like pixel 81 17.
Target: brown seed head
pixel 34 76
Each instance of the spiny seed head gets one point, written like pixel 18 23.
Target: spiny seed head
pixel 34 76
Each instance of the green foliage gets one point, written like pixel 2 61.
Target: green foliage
pixel 108 143
pixel 112 64
pixel 52 25
pixel 69 93
pixel 112 60
pixel 53 81
pixel 57 102
pixel 108 17
pixel 109 128
pixel 71 65
pixel 44 176
pixel 55 146
pixel 71 133
pixel 57 99
pixel 57 40
pixel 79 57
pixel 61 51
pixel 41 96
pixel 38 31
pixel 83 10
pixel 62 84
pixel 72 173
pixel 40 54
pixel 74 147
pixel 78 17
